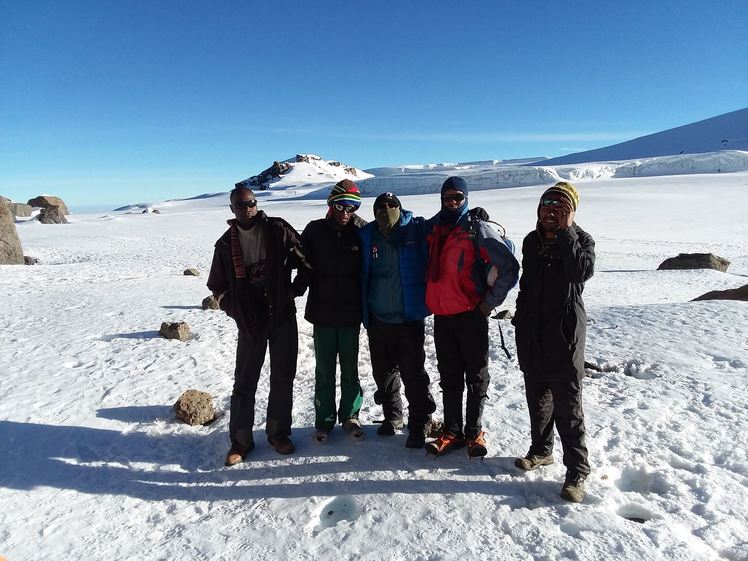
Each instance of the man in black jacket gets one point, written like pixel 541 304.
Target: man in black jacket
pixel 557 258
pixel 251 278
pixel 333 250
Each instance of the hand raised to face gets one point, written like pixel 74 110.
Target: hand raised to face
pixel 566 214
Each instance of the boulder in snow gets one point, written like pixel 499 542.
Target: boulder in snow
pixel 11 252
pixel 740 293
pixel 17 209
pixel 175 330
pixel 191 272
pixel 45 201
pixel 210 303
pixel 695 261
pixel 195 408
pixel 28 260
pixel 52 215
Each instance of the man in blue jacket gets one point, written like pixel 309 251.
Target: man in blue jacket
pixel 393 286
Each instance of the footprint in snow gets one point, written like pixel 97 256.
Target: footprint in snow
pixel 636 513
pixel 337 510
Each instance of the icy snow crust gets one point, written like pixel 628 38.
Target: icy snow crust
pixel 94 466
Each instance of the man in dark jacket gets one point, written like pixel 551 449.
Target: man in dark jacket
pixel 462 249
pixel 550 321
pixel 251 278
pixel 393 294
pixel 333 250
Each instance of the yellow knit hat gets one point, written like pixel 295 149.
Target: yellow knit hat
pixel 567 190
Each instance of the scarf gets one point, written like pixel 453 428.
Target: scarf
pixel 236 251
pixel 387 220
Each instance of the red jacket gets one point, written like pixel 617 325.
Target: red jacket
pixel 459 259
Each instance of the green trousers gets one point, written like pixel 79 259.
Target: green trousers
pixel 329 343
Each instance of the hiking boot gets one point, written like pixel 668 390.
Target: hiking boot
pixel 533 461
pixel 445 442
pixel 352 427
pixel 388 428
pixel 237 453
pixel 416 439
pixel 573 489
pixel 321 435
pixel 477 446
pixel 282 444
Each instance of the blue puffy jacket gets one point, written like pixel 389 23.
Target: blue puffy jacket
pixel 413 253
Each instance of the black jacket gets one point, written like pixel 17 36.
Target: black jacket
pixel 550 320
pixel 334 280
pixel 251 307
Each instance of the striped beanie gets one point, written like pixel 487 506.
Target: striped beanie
pixel 345 192
pixel 567 190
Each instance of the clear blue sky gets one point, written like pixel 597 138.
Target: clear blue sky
pixel 123 101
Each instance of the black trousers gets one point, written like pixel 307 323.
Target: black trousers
pixel 283 341
pixel 397 353
pixel 558 403
pixel 462 358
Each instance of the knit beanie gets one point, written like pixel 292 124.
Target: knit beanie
pixel 567 190
pixel 387 198
pixel 448 215
pixel 345 192
pixel 456 183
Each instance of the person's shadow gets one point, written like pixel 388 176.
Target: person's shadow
pixel 186 464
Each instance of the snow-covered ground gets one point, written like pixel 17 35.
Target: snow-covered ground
pixel 723 132
pixel 94 466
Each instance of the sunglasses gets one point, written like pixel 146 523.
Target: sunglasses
pixel 457 198
pixel 347 209
pixel 549 202
pixel 244 204
pixel 386 204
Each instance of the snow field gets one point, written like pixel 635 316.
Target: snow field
pixel 95 466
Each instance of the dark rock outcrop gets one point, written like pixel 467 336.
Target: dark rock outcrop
pixel 195 408
pixel 740 293
pixel 52 215
pixel 11 252
pixel 210 303
pixel 44 201
pixel 175 330
pixel 27 260
pixel 263 179
pixel 695 261
pixel 191 271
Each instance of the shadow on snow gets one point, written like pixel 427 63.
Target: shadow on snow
pixel 189 466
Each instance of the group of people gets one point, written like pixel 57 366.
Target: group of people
pixel 389 275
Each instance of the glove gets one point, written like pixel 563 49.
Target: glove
pixel 478 213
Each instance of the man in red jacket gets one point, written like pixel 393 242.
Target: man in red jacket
pixel 462 251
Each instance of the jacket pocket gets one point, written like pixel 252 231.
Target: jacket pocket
pixel 569 328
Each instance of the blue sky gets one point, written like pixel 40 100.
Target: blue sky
pixel 112 102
